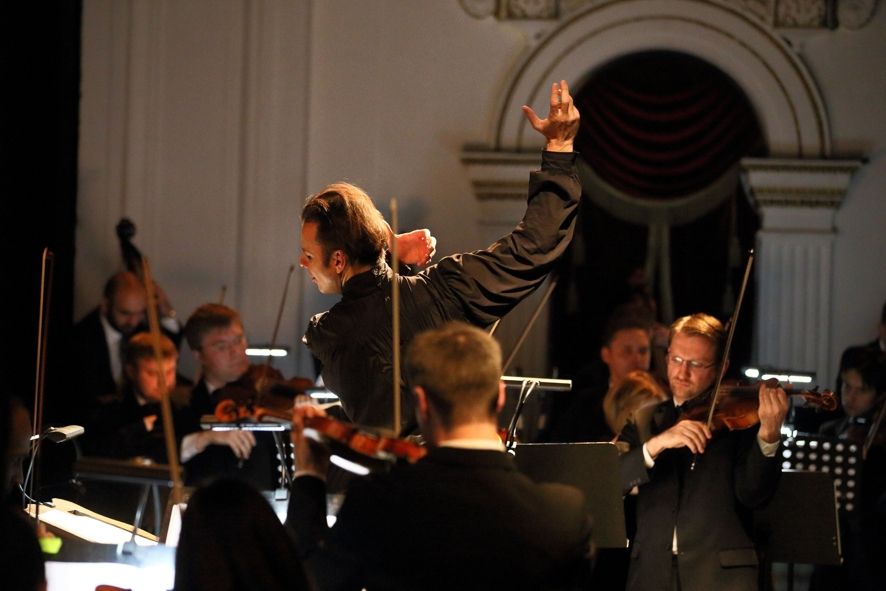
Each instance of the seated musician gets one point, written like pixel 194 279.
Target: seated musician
pixel 215 335
pixel 462 517
pixel 98 339
pixel 692 523
pixel 862 531
pixel 132 426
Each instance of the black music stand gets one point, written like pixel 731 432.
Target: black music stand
pixel 138 471
pixel 800 525
pixel 590 467
pixel 839 458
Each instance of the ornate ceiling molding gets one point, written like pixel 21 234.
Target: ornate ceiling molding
pixel 780 14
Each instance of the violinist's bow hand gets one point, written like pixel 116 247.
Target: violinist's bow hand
pixel 690 434
pixel 311 456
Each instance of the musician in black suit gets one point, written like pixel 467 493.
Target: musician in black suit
pixel 217 339
pixel 693 524
pixel 462 517
pixel 133 426
pixel 98 338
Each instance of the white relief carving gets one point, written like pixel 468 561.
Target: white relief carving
pixel 536 9
pixel 854 14
pixel 762 9
pixel 785 14
pixel 800 13
pixel 479 8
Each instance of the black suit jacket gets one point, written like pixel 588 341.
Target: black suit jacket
pixel 457 519
pixel 710 507
pixel 91 372
pixel 92 383
pixel 261 469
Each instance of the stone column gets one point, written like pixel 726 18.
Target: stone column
pixel 797 200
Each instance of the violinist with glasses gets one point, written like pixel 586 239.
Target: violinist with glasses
pixel 697 485
pixel 217 340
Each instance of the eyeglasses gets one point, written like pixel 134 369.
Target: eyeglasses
pixel 225 346
pixel 693 364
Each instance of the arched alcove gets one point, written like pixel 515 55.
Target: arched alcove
pixel 796 187
pixel 661 139
pixel 776 81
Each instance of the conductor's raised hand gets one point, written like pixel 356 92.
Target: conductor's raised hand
pixel 561 125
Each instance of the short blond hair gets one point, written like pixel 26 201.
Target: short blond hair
pixel 701 325
pixel 459 367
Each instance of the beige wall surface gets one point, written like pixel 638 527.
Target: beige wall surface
pixel 208 122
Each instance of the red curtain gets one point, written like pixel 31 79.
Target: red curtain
pixel 659 128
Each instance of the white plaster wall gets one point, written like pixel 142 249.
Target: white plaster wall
pixel 849 66
pixel 393 106
pixel 208 121
pixel 193 125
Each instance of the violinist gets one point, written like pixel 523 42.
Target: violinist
pixel 343 244
pixel 862 531
pixel 217 340
pixel 696 488
pixel 131 427
pixel 462 517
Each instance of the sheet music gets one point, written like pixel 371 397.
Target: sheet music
pixel 88 525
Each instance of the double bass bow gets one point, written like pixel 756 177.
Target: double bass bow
pixel 137 263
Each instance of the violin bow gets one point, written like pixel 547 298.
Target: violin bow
pixel 874 429
pixel 721 372
pixel 165 403
pixel 395 317
pixel 552 284
pixel 47 261
pixel 267 365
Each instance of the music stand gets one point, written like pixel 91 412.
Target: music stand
pixel 590 467
pixel 839 458
pixel 800 524
pixel 137 471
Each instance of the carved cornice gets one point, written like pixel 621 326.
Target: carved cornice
pixel 499 175
pixel 798 195
pixel 780 14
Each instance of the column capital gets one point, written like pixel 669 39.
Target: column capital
pixel 797 194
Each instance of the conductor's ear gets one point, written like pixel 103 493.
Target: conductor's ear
pixel 338 260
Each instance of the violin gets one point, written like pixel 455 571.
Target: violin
pixel 364 442
pixel 325 429
pixel 261 387
pixel 737 405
